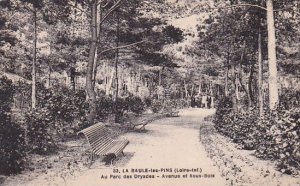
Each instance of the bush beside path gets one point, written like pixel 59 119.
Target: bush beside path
pixel 241 167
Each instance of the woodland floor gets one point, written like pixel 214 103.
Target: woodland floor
pixel 167 143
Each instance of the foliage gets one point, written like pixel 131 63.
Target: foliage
pixel 280 139
pixel 290 99
pixel 61 113
pixel 38 131
pixel 120 106
pixel 104 107
pixel 237 126
pixel 148 102
pixel 157 105
pixel 135 104
pixel 173 34
pixel 67 108
pixel 275 135
pixel 12 137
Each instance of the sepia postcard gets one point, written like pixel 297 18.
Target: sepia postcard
pixel 158 93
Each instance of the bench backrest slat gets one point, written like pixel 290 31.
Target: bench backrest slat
pixel 99 137
pixel 96 134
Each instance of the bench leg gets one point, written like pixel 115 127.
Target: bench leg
pixel 123 153
pixel 92 159
pixel 112 160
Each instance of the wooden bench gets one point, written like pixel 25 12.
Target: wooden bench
pixel 142 125
pixel 101 142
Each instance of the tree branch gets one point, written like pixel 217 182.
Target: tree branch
pixel 76 7
pixel 287 9
pixel 241 5
pixel 261 7
pixel 124 46
pixel 113 8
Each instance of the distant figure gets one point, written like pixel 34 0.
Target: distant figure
pixel 193 102
pixel 204 101
pixel 198 101
pixel 212 102
pixel 208 102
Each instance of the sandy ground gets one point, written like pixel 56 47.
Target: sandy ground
pixel 169 148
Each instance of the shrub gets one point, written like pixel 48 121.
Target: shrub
pixel 104 107
pixel 222 119
pixel 289 99
pixel 12 140
pixel 12 146
pixel 66 107
pixel 157 105
pixel 287 139
pixel 39 133
pixel 274 136
pixel 135 104
pixel 148 102
pixel 280 139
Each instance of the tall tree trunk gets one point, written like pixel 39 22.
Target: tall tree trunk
pixel 185 89
pixel 159 77
pixel 89 77
pixel 97 57
pixel 33 88
pixel 260 75
pixel 200 90
pixel 72 77
pixel 116 69
pixel 192 90
pixel 236 89
pixel 226 78
pixel 211 89
pixel 117 58
pixel 250 92
pixel 273 87
pixel 49 76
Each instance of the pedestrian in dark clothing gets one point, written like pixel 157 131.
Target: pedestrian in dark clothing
pixel 208 102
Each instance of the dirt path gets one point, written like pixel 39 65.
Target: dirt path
pixel 169 145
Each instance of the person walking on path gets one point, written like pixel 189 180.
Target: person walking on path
pixel 208 102
pixel 204 101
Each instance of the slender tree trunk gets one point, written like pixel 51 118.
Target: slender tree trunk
pixel 273 87
pixel 116 69
pixel 89 77
pixel 97 57
pixel 199 90
pixel 249 92
pixel 260 75
pixel 117 58
pixel 186 89
pixel 192 90
pixel 211 88
pixel 72 77
pixel 226 78
pixel 49 76
pixel 159 77
pixel 33 90
pixel 236 90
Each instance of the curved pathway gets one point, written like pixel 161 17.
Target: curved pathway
pixel 168 153
pixel 169 145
